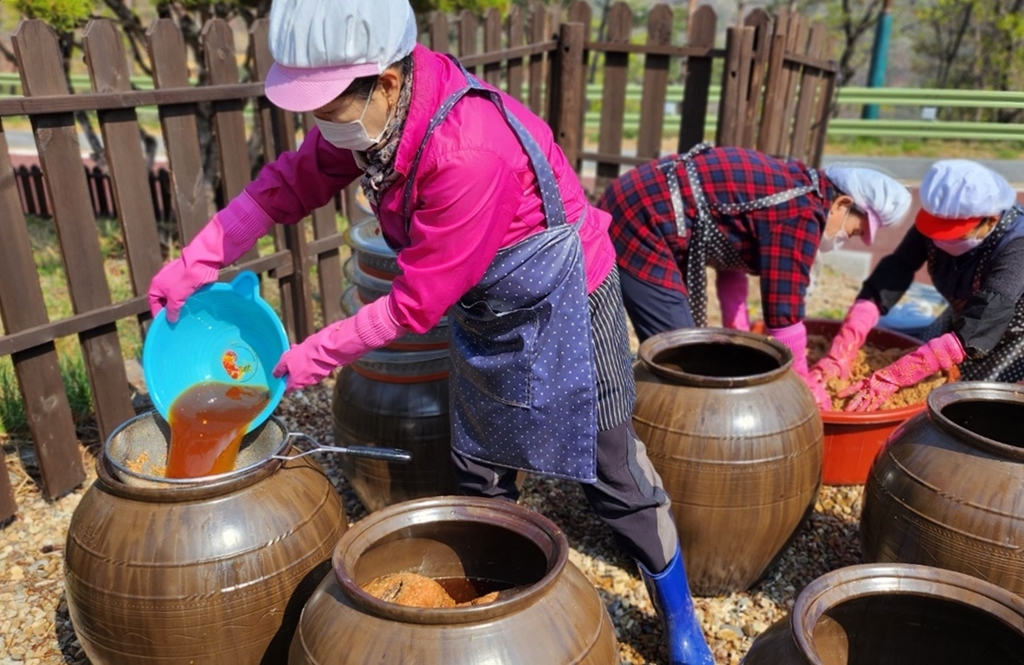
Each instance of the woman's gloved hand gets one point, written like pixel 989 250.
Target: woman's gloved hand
pixel 338 344
pixel 871 393
pixel 860 319
pixel 732 298
pixel 794 337
pixel 226 237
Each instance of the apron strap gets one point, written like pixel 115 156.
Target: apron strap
pixel 703 225
pixel 551 198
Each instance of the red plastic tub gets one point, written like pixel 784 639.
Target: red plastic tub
pixel 853 439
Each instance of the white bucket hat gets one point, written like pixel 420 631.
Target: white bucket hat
pixel 956 194
pixel 884 200
pixel 321 46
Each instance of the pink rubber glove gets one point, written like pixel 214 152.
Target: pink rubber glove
pixel 862 317
pixel 938 354
pixel 227 236
pixel 340 343
pixel 732 298
pixel 795 339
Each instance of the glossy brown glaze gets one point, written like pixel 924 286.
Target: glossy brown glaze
pixel 736 438
pixel 552 614
pixel 212 573
pixel 948 488
pixel 396 400
pixel 894 615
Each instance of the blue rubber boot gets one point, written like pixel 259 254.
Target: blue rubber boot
pixel 671 597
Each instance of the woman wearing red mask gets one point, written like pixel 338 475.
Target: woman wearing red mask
pixel 970 233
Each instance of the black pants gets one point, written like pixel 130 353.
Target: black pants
pixel 653 309
pixel 628 494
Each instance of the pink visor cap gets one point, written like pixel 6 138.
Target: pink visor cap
pixel 883 199
pixel 321 46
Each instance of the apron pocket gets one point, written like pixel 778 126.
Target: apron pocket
pixel 494 354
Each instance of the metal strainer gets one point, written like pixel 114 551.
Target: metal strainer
pixel 137 450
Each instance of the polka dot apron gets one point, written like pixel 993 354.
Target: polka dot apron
pixel 523 389
pixel 706 241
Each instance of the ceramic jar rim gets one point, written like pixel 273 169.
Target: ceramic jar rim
pixel 651 347
pixel 962 391
pixel 366 533
pixel 168 490
pixel 863 580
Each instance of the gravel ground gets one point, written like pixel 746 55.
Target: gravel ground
pixel 35 628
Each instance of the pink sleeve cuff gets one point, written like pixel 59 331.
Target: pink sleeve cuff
pixel 244 221
pixel 375 324
pixel 794 337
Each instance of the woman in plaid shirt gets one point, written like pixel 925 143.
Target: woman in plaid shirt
pixel 742 212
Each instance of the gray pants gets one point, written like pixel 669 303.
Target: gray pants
pixel 628 494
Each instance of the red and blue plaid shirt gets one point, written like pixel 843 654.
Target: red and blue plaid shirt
pixel 777 243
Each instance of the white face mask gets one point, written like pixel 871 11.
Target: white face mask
pixel 832 243
pixel 958 247
pixel 351 135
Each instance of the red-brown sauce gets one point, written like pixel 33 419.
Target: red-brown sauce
pixel 208 422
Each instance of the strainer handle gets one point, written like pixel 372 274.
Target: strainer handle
pixel 386 454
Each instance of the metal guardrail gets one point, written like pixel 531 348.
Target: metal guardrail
pixel 848 96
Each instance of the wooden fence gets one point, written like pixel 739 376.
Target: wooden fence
pixel 777 87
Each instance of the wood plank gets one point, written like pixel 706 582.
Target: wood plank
pixel 467 37
pixel 129 177
pixel 566 114
pixel 38 374
pixel 190 199
pixel 731 103
pixel 228 119
pixel 809 89
pixel 90 101
pixel 514 34
pixel 492 42
pixel 613 94
pixel 538 32
pixel 279 135
pixel 825 104
pixel 761 22
pixel 774 104
pixel 439 27
pixel 579 12
pixel 42 73
pixel 703 24
pixel 797 45
pixel 652 100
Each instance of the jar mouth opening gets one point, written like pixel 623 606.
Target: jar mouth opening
pixel 715 357
pixel 136 452
pixel 471 546
pixel 861 614
pixel 985 415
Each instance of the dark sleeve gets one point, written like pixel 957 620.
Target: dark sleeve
pixel 987 314
pixel 892 276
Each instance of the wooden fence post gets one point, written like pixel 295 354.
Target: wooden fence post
pixel 278 131
pixel 564 96
pixel 42 73
pixel 652 103
pixel 38 373
pixel 191 202
pixel 129 177
pixel 701 34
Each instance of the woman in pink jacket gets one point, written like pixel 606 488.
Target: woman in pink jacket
pixel 491 226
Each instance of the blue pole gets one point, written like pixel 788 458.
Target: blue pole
pixel 879 54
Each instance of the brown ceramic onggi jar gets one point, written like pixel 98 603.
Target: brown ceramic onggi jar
pixel 737 439
pixel 894 615
pixel 546 611
pixel 199 572
pixel 948 487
